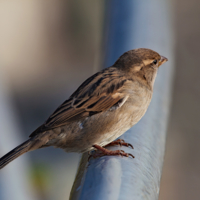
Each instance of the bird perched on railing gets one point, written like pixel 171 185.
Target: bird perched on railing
pixel 105 106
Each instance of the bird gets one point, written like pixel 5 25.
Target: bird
pixel 103 107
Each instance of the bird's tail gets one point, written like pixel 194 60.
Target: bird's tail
pixel 16 152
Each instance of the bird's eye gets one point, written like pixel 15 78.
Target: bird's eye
pixel 155 62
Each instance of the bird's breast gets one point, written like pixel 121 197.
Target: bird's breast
pixel 104 127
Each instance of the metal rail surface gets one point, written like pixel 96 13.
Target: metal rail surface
pixel 130 25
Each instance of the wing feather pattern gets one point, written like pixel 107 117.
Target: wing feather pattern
pixel 98 93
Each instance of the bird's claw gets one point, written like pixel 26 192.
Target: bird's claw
pixel 106 152
pixel 120 142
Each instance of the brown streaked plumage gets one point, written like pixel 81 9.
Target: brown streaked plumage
pixel 101 109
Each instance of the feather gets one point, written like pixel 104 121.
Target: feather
pixel 99 93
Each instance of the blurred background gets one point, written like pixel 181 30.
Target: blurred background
pixel 47 49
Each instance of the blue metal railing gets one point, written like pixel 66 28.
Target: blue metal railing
pixel 129 25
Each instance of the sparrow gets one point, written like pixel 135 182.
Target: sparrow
pixel 104 106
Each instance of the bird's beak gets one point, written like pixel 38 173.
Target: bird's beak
pixel 162 60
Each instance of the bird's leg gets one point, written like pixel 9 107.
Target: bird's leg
pixel 106 152
pixel 120 142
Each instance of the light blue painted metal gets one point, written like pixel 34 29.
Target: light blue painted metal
pixel 130 25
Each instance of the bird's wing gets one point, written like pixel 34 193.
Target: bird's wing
pixel 98 93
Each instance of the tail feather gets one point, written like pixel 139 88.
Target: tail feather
pixel 16 152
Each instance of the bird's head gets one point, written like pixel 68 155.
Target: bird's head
pixel 141 64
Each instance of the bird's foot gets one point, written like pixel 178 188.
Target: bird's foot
pixel 120 142
pixel 106 152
